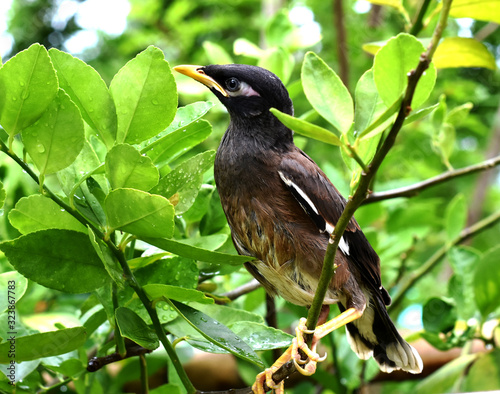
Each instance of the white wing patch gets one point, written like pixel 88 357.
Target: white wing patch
pixel 304 199
pixel 290 183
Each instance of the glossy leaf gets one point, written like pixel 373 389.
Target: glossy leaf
pixel 178 142
pixel 483 10
pixel 139 213
pixel 28 85
pixel 392 64
pixel 16 283
pixel 455 52
pixel 38 212
pixel 56 139
pixel 47 344
pixel 420 114
pixel 127 168
pixel 217 333
pixel 261 337
pixel 185 181
pixel 456 217
pixel 160 291
pixel 326 92
pixel 195 253
pixel 89 92
pixel 145 96
pixel 58 259
pixel 134 328
pixel 487 282
pixel 307 129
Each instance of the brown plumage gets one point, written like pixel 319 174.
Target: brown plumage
pixel 282 208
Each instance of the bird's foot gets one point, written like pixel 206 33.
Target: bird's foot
pixel 312 357
pixel 267 376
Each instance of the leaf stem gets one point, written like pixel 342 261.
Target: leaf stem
pixel 440 253
pixel 418 24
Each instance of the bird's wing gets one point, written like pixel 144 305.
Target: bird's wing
pixel 323 203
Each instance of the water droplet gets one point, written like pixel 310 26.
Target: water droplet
pixel 40 148
pixel 14 98
pixel 172 316
pixel 155 102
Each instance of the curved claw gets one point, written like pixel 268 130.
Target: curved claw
pixel 309 368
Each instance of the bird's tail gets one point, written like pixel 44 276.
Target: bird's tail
pixel 374 334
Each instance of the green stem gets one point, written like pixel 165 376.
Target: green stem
pixel 418 24
pixel 439 254
pixel 129 277
pixel 144 374
pixel 119 340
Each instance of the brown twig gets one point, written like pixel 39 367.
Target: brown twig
pixel 413 190
pixel 242 290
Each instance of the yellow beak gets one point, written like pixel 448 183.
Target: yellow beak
pixel 197 74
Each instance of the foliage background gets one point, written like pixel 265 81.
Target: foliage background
pixel 405 232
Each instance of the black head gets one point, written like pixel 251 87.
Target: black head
pixel 246 91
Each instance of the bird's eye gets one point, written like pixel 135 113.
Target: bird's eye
pixel 232 84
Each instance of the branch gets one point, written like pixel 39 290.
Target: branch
pixel 432 262
pixel 361 193
pixel 413 190
pixel 242 290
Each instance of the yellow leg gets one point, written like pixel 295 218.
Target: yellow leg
pixel 292 353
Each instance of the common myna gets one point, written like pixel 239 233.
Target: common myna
pixel 282 209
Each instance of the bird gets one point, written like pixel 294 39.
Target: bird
pixel 282 209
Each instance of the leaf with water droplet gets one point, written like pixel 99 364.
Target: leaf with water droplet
pixel 29 82
pixel 55 140
pixel 217 333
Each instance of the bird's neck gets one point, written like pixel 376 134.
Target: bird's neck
pixel 259 134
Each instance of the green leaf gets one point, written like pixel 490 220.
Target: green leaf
pixel 326 92
pixel 391 66
pixel 89 92
pixel 14 286
pixel 56 139
pixel 216 54
pixel 185 180
pixel 139 213
pixel 445 378
pixel 217 333
pixel 47 344
pixel 178 142
pixel 127 168
pixel 58 259
pixel 145 96
pixel 181 294
pixel 108 259
pixel 420 114
pixel 168 388
pixel 455 52
pixel 456 217
pixel 307 129
pixel 244 47
pixel 439 315
pixel 261 337
pixel 487 282
pixel 28 84
pixel 484 374
pixel 134 328
pixel 483 10
pixel 192 252
pixel 174 270
pixel 38 212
